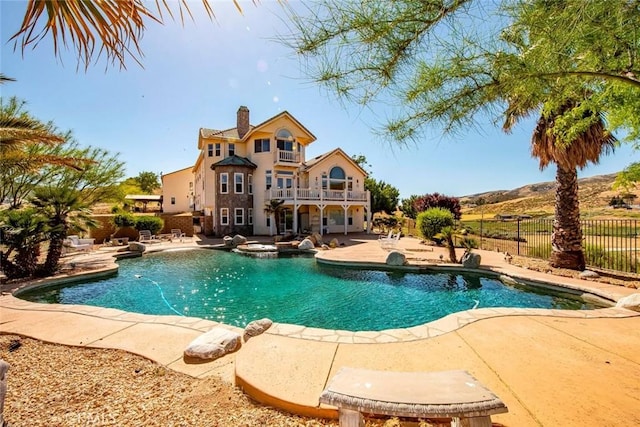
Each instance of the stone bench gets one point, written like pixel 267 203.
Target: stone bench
pixel 446 394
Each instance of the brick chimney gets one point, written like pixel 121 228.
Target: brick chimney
pixel 243 121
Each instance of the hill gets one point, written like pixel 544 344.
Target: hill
pixel 537 200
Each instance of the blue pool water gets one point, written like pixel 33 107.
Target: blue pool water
pixel 236 289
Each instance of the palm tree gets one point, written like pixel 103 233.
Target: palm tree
pixel 273 208
pixel 21 231
pixel 588 146
pixel 116 26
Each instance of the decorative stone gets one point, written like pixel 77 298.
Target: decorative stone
pixel 318 238
pixel 334 243
pixel 137 247
pixel 396 258
pixel 238 240
pixel 630 302
pixel 588 274
pixel 227 241
pixel 324 247
pixel 470 260
pixel 257 327
pixel 214 344
pixel 305 245
pixel 4 367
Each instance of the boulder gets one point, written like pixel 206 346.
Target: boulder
pixel 227 240
pixel 588 274
pixel 396 258
pixel 334 243
pixel 318 239
pixel 137 247
pixel 630 302
pixel 324 247
pixel 508 280
pixel 305 245
pixel 4 367
pixel 238 240
pixel 257 327
pixel 214 344
pixel 470 260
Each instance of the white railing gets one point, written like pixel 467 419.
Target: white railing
pixel 304 194
pixel 287 156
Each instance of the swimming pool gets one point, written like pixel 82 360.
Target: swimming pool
pixel 235 290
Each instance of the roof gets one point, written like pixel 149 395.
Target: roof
pixel 147 197
pixel 284 113
pixel 234 161
pixel 311 163
pixel 179 170
pixel 227 133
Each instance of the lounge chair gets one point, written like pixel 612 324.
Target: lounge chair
pixel 446 394
pixel 390 242
pixel 146 236
pixel 76 244
pixel 176 233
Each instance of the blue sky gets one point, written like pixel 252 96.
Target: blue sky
pixel 197 75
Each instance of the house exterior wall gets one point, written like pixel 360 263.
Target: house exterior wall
pixel 178 191
pixel 233 201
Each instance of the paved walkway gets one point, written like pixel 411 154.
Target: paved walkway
pixel 551 367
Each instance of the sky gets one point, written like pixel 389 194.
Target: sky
pixel 197 75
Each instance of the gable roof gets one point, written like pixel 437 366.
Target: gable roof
pixel 310 164
pixel 227 133
pixel 234 161
pixel 276 117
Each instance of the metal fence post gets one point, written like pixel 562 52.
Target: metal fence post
pixel 518 236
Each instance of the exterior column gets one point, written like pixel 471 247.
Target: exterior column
pixel 346 208
pixel 369 215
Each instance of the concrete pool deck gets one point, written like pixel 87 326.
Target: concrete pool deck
pixel 551 367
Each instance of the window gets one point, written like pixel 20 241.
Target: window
pixel 262 145
pixel 218 149
pixel 268 179
pixel 336 217
pixel 285 140
pixel 232 149
pixel 238 179
pixel 173 200
pixel 238 216
pixel 350 183
pixel 224 216
pixel 337 178
pixel 250 184
pixel 324 180
pixel 210 150
pixel 268 222
pixel 224 183
pixel 250 216
pixel 350 219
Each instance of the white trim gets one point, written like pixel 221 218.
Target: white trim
pixel 224 182
pixel 235 183
pixel 222 216
pixel 235 216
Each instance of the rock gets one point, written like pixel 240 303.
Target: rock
pixel 470 260
pixel 396 258
pixel 227 241
pixel 238 240
pixel 588 274
pixel 137 247
pixel 630 302
pixel 257 327
pixel 318 238
pixel 334 243
pixel 313 239
pixel 305 245
pixel 324 247
pixel 214 344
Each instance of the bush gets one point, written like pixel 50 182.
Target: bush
pixel 151 223
pixel 432 221
pixel 124 220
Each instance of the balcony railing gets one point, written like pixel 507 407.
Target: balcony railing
pixel 307 194
pixel 284 156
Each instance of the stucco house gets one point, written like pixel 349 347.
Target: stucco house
pixel 177 191
pixel 240 170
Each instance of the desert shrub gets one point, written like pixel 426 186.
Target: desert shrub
pixel 124 219
pixel 432 221
pixel 469 243
pixel 151 223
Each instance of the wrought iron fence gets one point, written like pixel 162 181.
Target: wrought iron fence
pixel 608 244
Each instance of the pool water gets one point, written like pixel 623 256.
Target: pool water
pixel 235 289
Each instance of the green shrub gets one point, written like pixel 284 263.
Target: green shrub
pixel 124 220
pixel 151 223
pixel 432 221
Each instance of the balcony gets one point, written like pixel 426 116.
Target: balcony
pixel 286 157
pixel 307 194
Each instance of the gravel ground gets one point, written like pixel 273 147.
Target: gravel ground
pixel 56 385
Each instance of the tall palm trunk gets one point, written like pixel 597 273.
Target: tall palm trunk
pixel 54 254
pixel 566 240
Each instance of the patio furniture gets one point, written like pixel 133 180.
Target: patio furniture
pixel 119 241
pixel 74 243
pixel 445 394
pixel 177 233
pixel 390 242
pixel 146 236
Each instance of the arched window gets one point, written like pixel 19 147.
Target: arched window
pixel 285 140
pixel 337 179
